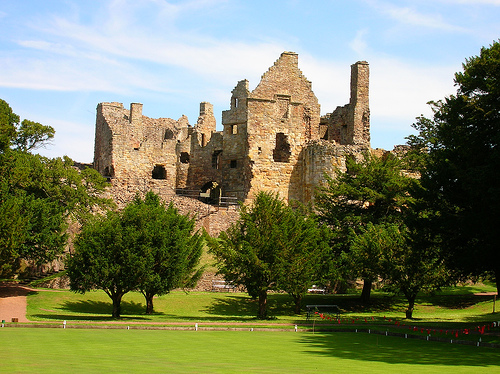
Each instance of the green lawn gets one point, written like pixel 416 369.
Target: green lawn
pixel 453 309
pixel 41 350
pixel 454 305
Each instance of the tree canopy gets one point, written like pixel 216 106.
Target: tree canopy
pixel 37 194
pixel 372 191
pixel 271 247
pixel 170 247
pixel 460 157
pixel 380 219
pixel 147 247
pixel 106 256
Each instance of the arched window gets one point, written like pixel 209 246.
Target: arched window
pixel 159 172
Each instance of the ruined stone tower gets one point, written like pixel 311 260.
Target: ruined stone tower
pixel 273 139
pixel 350 124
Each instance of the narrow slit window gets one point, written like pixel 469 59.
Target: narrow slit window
pixel 282 151
pixel 216 159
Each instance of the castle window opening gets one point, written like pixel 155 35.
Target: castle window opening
pixel 169 134
pixel 323 131
pixel 216 159
pixel 236 102
pixel 284 107
pixel 159 172
pixel 234 129
pixel 184 158
pixel 307 124
pixel 282 151
pixel 109 172
pixel 233 164
pixel 203 140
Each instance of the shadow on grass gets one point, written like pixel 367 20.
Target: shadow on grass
pixel 393 350
pixel 102 307
pixel 353 304
pixel 281 305
pixel 455 301
pixel 246 307
pixel 98 311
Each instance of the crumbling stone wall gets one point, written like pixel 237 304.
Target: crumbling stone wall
pixel 137 151
pixel 350 124
pixel 206 143
pixel 282 116
pixel 273 139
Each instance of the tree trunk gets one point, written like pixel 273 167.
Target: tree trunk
pixel 411 305
pixel 298 300
pixel 497 277
pixel 149 302
pixel 262 305
pixel 117 299
pixel 367 289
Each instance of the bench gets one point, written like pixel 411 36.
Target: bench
pixel 316 289
pixel 222 285
pixel 325 309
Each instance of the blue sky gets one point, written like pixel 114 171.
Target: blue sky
pixel 60 58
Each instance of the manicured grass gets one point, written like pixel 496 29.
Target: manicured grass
pixel 455 309
pixel 43 350
pixel 448 307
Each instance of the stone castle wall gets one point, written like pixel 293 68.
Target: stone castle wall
pixel 273 139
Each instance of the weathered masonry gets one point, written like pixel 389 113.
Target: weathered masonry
pixel 273 139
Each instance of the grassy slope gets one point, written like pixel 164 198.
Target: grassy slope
pixel 145 351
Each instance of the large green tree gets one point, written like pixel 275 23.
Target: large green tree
pixel 170 247
pixel 372 191
pixel 460 155
pixel 409 262
pixel 271 247
pixel 146 246
pixel 106 256
pixel 305 254
pixel 38 195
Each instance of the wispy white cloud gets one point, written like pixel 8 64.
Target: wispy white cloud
pixel 62 74
pixel 75 140
pixel 156 49
pixel 412 17
pixel 94 54
pixel 402 90
pixel 358 44
pixel 330 81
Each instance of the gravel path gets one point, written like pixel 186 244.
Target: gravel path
pixel 13 302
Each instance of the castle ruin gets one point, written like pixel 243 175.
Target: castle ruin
pixel 273 139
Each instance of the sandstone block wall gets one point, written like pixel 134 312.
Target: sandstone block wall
pixel 273 139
